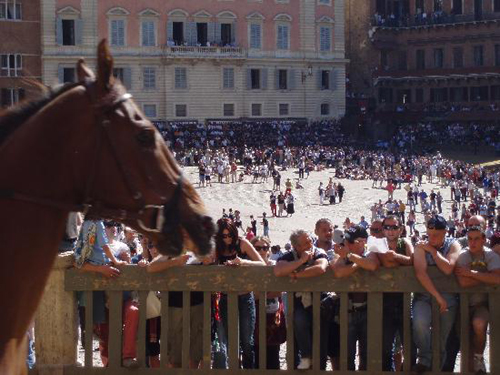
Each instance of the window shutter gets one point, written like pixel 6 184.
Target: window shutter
pixel 218 36
pixel 249 79
pixel 59 31
pixel 277 79
pixel 280 38
pixel 78 31
pixel 127 78
pixel 285 37
pixel 333 79
pixel 121 33
pixel 211 32
pixel 291 79
pixel 193 37
pixel 144 29
pixel 170 31
pixel 60 74
pixel 318 80
pixel 22 94
pixel 263 75
pixel 233 33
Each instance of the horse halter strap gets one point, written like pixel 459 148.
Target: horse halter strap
pixel 95 208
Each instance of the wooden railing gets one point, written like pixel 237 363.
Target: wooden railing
pixel 209 279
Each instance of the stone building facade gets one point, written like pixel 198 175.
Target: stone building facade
pixel 440 53
pixel 20 53
pixel 201 60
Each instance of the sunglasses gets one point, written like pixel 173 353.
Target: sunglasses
pixel 475 228
pixel 391 227
pixel 228 235
pixel 259 248
pixel 376 230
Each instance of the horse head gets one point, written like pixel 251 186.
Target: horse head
pixel 133 177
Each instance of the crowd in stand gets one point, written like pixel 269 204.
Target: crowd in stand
pixel 419 19
pixel 187 135
pixel 444 109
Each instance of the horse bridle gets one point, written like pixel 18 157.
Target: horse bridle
pixel 166 212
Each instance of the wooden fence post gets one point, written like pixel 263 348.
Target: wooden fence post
pixel 56 322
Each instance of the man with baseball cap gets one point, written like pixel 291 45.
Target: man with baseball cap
pixel 349 258
pixel 442 252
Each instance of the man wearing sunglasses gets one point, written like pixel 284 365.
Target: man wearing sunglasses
pixel 442 252
pixel 400 254
pixel 478 265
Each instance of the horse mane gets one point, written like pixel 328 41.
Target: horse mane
pixel 14 117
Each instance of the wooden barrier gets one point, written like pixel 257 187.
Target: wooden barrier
pixel 209 279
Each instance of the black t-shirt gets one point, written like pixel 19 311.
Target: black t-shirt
pixel 265 222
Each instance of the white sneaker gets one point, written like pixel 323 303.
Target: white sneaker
pixel 305 364
pixel 479 366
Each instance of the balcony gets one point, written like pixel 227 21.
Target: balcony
pixel 204 52
pixel 431 19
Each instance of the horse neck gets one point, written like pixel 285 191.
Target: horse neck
pixel 35 161
pixel 38 157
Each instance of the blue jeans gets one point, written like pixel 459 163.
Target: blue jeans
pixel 303 326
pixel 246 309
pixel 357 331
pixel 422 323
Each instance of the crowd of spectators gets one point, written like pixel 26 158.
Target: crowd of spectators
pixel 452 244
pixel 435 133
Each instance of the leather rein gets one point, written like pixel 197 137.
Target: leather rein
pixel 95 208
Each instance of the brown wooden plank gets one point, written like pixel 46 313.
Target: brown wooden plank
pixel 186 328
pixel 262 331
pixel 344 325
pixel 290 332
pixel 164 330
pixel 436 330
pixel 316 331
pixel 160 371
pixel 407 334
pixel 141 329
pixel 89 328
pixel 207 329
pixel 464 332
pixel 250 278
pixel 233 331
pixel 115 302
pixel 374 329
pixel 494 306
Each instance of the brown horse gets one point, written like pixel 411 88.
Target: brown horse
pixel 86 147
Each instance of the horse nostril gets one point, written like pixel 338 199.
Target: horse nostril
pixel 208 224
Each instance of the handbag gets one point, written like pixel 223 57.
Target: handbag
pixel 153 305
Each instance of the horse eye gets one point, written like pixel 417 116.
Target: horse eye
pixel 146 138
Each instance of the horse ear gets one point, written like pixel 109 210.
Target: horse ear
pixel 104 66
pixel 83 71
